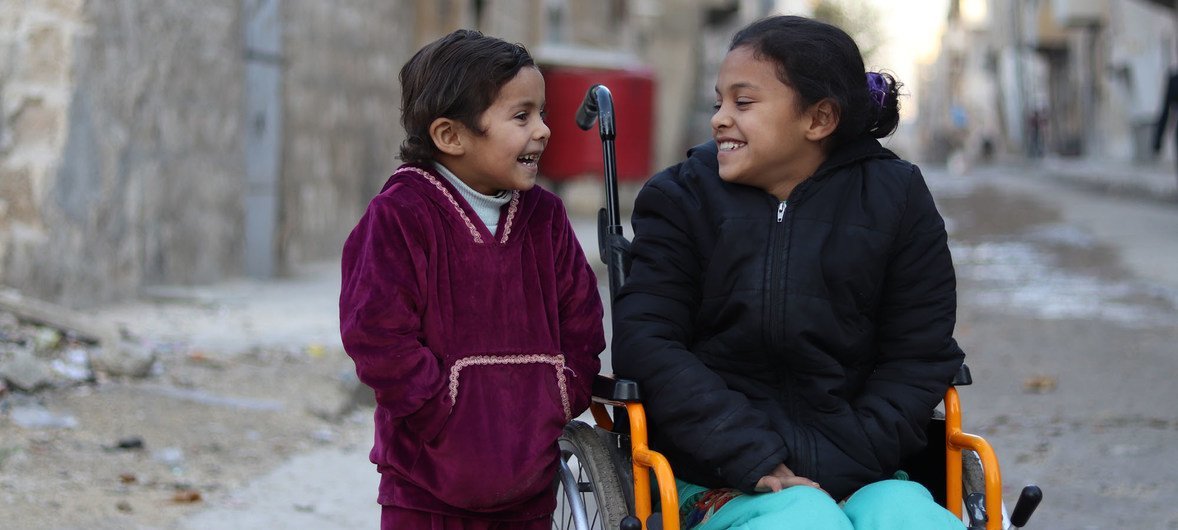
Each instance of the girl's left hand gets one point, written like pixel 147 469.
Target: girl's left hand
pixel 782 477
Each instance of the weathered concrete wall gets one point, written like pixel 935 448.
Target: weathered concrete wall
pixel 342 116
pixel 514 20
pixel 342 111
pixel 121 161
pixel 125 145
pixel 35 77
pixel 1140 56
pixel 123 127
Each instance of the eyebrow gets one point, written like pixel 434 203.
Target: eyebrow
pixel 527 104
pixel 741 84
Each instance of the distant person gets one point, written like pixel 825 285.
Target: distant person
pixel 467 303
pixel 1168 100
pixel 1036 123
pixel 790 305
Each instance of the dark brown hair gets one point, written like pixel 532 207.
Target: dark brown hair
pixel 458 77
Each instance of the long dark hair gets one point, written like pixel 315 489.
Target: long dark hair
pixel 458 77
pixel 821 61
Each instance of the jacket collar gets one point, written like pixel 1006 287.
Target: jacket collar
pixel 705 154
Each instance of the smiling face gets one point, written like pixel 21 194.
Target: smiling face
pixel 766 138
pixel 506 155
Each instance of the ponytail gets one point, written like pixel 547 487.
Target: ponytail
pixel 884 94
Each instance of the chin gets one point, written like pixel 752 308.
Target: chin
pixel 525 184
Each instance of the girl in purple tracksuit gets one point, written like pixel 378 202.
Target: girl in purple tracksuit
pixel 466 302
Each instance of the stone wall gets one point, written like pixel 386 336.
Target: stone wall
pixel 342 111
pixel 35 48
pixel 342 116
pixel 123 129
pixel 121 137
pixel 123 161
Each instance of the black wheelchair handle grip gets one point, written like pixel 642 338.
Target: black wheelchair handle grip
pixel 1028 500
pixel 587 112
pixel 597 106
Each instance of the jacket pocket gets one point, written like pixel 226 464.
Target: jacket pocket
pixel 431 418
pixel 498 447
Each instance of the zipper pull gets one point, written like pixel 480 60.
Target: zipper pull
pixel 781 211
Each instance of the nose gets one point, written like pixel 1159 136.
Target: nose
pixel 720 119
pixel 542 132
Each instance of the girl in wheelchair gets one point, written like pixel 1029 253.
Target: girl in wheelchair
pixel 790 305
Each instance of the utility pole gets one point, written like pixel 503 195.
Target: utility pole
pixel 263 137
pixel 1020 76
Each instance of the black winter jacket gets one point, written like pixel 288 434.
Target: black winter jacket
pixel 815 332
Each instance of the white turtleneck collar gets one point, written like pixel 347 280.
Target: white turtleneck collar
pixel 487 207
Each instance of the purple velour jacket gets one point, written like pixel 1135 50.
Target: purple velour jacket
pixel 480 346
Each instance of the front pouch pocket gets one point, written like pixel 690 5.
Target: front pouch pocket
pixel 498 448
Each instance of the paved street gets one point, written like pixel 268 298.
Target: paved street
pixel 1068 313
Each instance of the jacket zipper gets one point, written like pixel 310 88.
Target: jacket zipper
pixel 772 266
pixel 802 443
pixel 773 299
pixel 778 236
pixel 774 306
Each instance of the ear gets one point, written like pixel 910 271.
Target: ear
pixel 446 134
pixel 824 119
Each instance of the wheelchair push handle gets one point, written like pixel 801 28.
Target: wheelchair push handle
pixel 598 106
pixel 1028 500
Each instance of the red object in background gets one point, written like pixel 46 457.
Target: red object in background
pixel 572 152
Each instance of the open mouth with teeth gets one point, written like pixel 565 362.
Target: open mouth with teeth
pixel 529 160
pixel 729 145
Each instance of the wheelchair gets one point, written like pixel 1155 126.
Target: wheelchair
pixel 604 477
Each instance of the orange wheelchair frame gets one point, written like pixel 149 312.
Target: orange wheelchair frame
pixel 647 462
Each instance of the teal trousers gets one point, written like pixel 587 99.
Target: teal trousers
pixel 884 505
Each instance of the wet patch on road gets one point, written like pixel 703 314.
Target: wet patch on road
pixel 1016 255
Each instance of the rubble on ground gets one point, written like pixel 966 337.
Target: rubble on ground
pixel 36 355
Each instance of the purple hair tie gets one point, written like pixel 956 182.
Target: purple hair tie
pixel 877 86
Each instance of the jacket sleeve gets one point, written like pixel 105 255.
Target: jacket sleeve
pixel 918 356
pixel 381 302
pixel 653 314
pixel 582 338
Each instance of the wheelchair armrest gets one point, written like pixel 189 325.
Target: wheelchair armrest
pixel 963 376
pixel 610 388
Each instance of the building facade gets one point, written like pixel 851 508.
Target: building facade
pixel 1074 78
pixel 167 142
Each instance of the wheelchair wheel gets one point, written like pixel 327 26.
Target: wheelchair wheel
pixel 590 494
pixel 972 478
